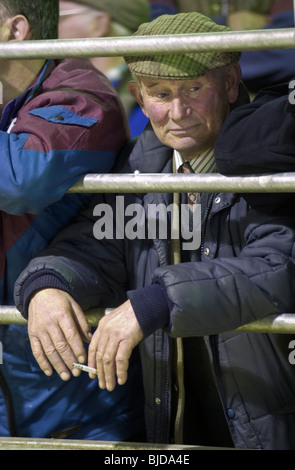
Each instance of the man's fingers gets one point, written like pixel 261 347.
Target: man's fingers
pixel 122 362
pixel 101 356
pixel 112 344
pixel 54 314
pixel 107 367
pixel 111 360
pixel 58 350
pixel 46 354
pixel 39 355
pixel 81 322
pixel 95 357
pixel 69 344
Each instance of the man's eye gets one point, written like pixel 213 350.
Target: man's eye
pixel 194 89
pixel 161 95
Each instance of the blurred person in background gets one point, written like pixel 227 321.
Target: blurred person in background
pixel 164 7
pixel 59 121
pixel 108 18
pixel 260 68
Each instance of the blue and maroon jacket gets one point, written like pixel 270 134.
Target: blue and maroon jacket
pixel 69 123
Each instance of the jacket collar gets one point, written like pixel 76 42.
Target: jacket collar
pixel 45 72
pixel 12 108
pixel 145 154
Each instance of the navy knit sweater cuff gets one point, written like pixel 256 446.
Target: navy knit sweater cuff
pixel 48 279
pixel 150 307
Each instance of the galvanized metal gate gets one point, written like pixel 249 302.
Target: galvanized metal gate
pixel 97 183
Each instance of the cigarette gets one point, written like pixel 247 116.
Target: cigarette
pixel 90 370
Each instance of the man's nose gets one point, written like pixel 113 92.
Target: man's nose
pixel 179 109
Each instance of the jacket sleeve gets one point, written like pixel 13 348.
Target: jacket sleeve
pixel 92 273
pixel 58 137
pixel 205 298
pixel 46 175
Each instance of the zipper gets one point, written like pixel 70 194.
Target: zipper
pixel 166 408
pixel 162 400
pixel 205 218
pixel 213 340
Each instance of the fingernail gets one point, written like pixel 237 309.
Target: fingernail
pixel 64 376
pixel 81 359
pixel 76 372
pixel 47 372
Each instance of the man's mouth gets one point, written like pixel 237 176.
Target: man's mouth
pixel 183 130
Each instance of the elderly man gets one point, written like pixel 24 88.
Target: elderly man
pixel 204 384
pixel 59 121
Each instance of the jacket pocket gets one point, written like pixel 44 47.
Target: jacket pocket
pixel 62 115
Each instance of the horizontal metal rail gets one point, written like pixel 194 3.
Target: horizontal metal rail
pixel 284 323
pixel 10 315
pixel 132 45
pixel 23 443
pixel 206 182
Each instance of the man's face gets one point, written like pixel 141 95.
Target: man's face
pixel 75 20
pixel 187 115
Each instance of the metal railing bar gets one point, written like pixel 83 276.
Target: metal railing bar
pixel 205 182
pixel 283 38
pixel 11 315
pixel 284 323
pixel 23 443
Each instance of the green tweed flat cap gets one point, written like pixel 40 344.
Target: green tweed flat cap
pixel 127 13
pixel 179 66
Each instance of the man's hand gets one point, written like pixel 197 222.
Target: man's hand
pixel 57 327
pixel 111 346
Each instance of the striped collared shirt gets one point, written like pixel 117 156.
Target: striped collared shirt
pixel 203 163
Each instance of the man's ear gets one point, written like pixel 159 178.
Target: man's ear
pixel 18 28
pixel 233 77
pixel 100 24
